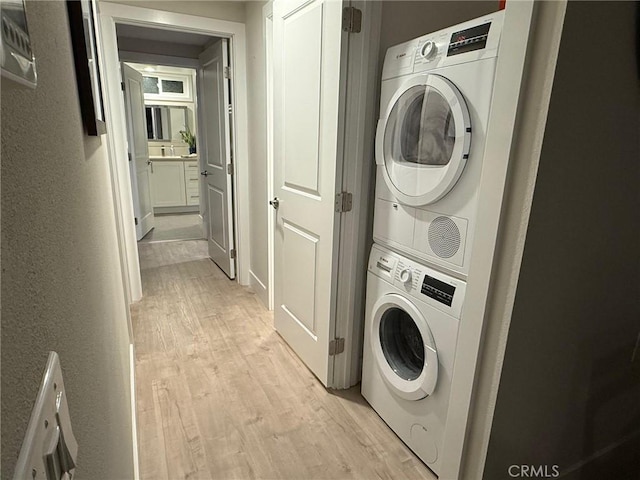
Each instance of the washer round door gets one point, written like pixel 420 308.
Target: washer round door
pixel 423 140
pixel 403 347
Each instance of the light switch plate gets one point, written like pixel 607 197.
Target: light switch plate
pixel 49 450
pixel 16 57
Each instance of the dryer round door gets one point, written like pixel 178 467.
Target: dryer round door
pixel 403 347
pixel 423 140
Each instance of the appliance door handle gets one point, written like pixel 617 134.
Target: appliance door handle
pixel 384 267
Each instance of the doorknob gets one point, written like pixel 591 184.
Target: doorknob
pixel 205 173
pixel 150 163
pixel 275 203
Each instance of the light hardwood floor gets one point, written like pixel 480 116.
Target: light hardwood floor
pixel 220 395
pixel 184 226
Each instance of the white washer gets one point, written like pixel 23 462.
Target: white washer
pixel 434 107
pixel 411 330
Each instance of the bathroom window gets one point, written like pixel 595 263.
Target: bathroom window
pixel 150 85
pixel 160 87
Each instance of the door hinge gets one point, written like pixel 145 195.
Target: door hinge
pixel 232 253
pixel 351 20
pixel 230 168
pixel 230 108
pixel 122 86
pixel 336 346
pixel 129 155
pixel 344 202
pixel 136 220
pixel 227 72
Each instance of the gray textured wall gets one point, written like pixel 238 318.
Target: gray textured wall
pixel 568 389
pixel 61 281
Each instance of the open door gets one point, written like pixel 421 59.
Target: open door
pixel 306 80
pixel 139 163
pixel 217 170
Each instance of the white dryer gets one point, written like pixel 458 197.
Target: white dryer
pixel 411 330
pixel 434 107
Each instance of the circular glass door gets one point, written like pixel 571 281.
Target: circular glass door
pixel 424 141
pixel 402 344
pixel 403 347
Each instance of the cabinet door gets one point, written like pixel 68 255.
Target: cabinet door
pixel 192 183
pixel 168 184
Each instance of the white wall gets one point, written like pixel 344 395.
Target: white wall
pixel 61 282
pixel 232 11
pixel 259 209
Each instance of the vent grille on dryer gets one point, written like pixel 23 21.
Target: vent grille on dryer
pixel 444 237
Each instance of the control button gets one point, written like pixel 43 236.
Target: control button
pixel 405 275
pixel 429 50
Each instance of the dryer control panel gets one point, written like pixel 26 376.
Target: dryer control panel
pixel 439 290
pixel 478 39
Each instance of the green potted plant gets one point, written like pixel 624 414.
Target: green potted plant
pixel 189 138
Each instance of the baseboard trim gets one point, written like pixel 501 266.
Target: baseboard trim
pixel 259 288
pixel 134 418
pixel 176 210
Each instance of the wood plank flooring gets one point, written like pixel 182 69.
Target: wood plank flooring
pixel 221 396
pixel 184 226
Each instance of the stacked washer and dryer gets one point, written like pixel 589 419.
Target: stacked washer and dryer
pixel 434 108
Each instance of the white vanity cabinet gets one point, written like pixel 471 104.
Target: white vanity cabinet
pixel 175 184
pixel 192 182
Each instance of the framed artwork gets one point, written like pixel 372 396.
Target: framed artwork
pixel 83 26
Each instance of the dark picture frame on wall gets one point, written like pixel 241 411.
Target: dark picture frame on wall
pixel 83 26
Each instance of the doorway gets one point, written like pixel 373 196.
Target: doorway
pixel 172 132
pixel 182 173
pixel 186 36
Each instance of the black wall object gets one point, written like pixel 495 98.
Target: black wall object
pixel 83 38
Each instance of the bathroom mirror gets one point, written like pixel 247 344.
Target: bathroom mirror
pixel 165 122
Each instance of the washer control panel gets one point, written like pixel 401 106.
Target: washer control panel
pixel 430 50
pixel 468 40
pixel 438 289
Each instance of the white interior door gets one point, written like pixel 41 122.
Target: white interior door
pixel 217 161
pixel 306 56
pixel 139 163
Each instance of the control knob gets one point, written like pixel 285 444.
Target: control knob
pixel 405 276
pixel 429 50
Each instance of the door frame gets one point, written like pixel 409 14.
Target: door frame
pixel 358 178
pixel 110 14
pixel 267 20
